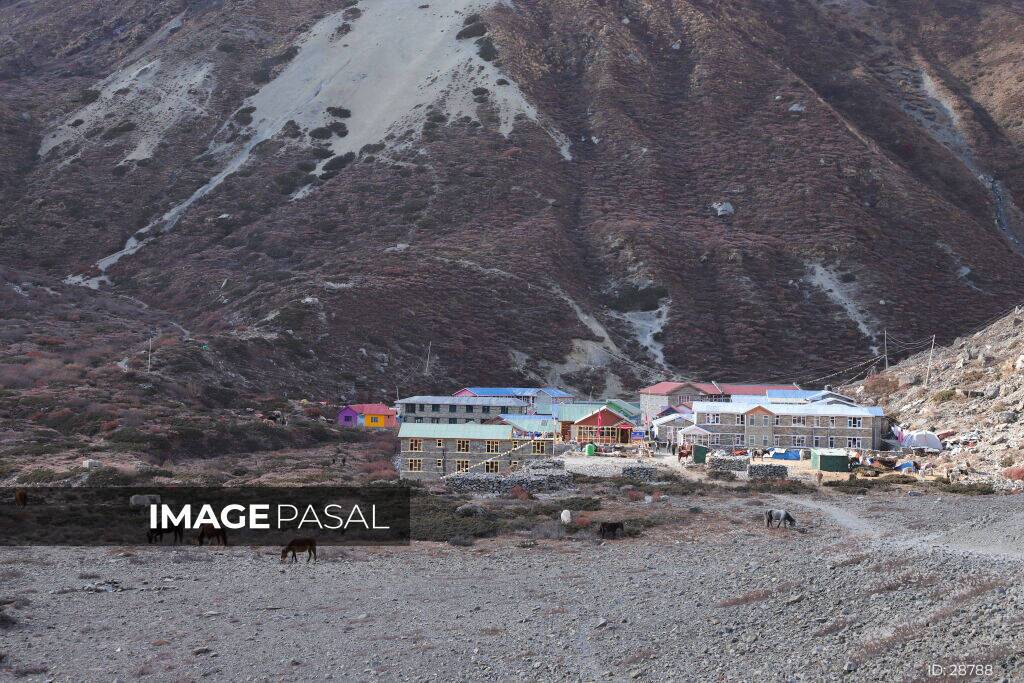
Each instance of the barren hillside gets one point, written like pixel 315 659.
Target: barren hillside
pixel 972 395
pixel 323 190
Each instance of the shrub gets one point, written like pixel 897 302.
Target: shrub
pixel 339 112
pixel 463 541
pixel 944 395
pixel 978 489
pixel 881 385
pixel 724 475
pixel 474 30
pixel 1014 473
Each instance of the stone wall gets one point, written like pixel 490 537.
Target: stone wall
pixel 767 471
pixel 533 480
pixel 728 463
pixel 640 472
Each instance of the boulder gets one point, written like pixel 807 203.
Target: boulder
pixel 722 209
pixel 91 464
pixel 566 517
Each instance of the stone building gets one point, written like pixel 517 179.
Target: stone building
pixel 430 451
pixel 457 409
pixel 788 425
pixel 655 398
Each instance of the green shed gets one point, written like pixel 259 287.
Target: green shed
pixel 830 460
pixel 700 454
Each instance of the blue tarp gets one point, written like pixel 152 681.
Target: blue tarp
pixel 906 467
pixel 791 454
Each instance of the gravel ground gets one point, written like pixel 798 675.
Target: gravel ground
pixel 864 589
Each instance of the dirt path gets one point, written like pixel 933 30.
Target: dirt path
pixel 847 519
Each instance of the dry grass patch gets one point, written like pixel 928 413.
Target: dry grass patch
pixel 908 580
pixel 835 627
pixel 851 560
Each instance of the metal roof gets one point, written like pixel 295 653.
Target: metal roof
pixel 530 423
pixel 672 418
pixel 464 400
pixel 469 430
pixel 553 392
pixel 742 407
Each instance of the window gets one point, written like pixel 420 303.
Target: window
pixel 418 419
pixel 440 443
pixel 435 408
pixel 764 440
pixel 855 422
pixel 491 467
pixel 492 447
pixel 469 409
pixel 514 464
pixel 452 408
pixel 798 421
pixel 831 442
pixel 817 442
pixel 714 419
pixel 485 409
pixel 820 421
pixel 716 439
pixel 539 448
pixel 415 464
pixel 453 420
pixel 461 465
pixel 799 440
pixel 741 419
pixel 434 420
pixel 462 446
pixel 740 439
pixel 832 421
pixel 439 464
pixel 347 418
pixel 373 419
pixel 777 421
pixel 776 440
pixel 855 442
pixel 416 445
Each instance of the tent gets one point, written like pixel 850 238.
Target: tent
pixel 920 439
pixel 780 454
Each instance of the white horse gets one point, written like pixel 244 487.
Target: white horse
pixel 780 516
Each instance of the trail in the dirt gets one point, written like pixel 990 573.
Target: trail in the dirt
pixel 849 521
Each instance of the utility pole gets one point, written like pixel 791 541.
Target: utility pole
pixel 928 376
pixel 426 368
pixel 885 346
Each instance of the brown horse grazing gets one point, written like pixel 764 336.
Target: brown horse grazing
pixel 213 533
pixel 21 497
pixel 300 544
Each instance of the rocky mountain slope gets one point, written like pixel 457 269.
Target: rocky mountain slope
pixel 587 192
pixel 972 395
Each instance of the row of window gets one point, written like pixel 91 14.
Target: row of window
pixel 796 441
pixel 776 420
pixel 455 408
pixel 462 446
pixel 490 467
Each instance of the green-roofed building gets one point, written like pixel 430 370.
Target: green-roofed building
pixel 430 451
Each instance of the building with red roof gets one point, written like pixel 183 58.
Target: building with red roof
pixel 657 397
pixel 367 416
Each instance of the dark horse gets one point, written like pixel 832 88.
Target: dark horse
pixel 307 545
pixel 208 531
pixel 21 497
pixel 609 529
pixel 157 535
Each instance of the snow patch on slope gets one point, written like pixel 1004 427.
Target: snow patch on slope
pixel 844 295
pixel 646 325
pixel 150 95
pixel 398 58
